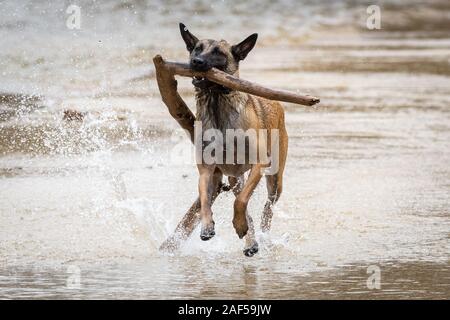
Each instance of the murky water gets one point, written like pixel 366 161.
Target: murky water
pixel 94 174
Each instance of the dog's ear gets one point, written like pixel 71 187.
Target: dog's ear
pixel 241 49
pixel 188 38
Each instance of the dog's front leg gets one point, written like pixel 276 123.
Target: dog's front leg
pixel 191 218
pixel 251 246
pixel 206 190
pixel 240 222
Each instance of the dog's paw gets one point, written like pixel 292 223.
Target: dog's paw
pixel 241 227
pixel 252 250
pixel 207 232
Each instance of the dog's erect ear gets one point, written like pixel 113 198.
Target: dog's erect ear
pixel 241 49
pixel 188 38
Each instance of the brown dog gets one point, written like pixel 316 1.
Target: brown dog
pixel 222 110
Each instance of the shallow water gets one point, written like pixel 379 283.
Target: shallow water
pixel 86 203
pixel 417 280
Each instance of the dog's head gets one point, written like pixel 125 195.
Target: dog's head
pixel 206 54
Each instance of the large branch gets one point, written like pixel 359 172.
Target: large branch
pixel 165 76
pixel 234 83
pixel 168 88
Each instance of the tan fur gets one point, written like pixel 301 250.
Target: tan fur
pixel 238 110
pixel 222 110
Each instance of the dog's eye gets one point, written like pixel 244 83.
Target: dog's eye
pixel 216 51
pixel 199 48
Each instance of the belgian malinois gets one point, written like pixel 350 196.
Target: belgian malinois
pixel 222 109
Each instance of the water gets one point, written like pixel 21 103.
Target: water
pixel 85 203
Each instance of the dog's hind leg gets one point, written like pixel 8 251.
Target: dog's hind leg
pixel 236 184
pixel 274 188
pixel 275 182
pixel 184 228
pixel 251 245
pixel 192 218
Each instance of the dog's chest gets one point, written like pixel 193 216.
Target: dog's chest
pixel 225 114
pixel 221 111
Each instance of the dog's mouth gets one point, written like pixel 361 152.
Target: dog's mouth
pixel 206 85
pixel 201 81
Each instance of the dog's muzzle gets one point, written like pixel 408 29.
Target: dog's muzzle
pixel 209 86
pixel 199 64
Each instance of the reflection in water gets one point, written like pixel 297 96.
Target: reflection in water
pixel 199 279
pixel 93 177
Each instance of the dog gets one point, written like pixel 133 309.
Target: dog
pixel 222 109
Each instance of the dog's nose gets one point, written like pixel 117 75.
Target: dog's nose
pixel 199 63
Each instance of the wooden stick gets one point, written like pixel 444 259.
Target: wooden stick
pixel 168 88
pixel 234 83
